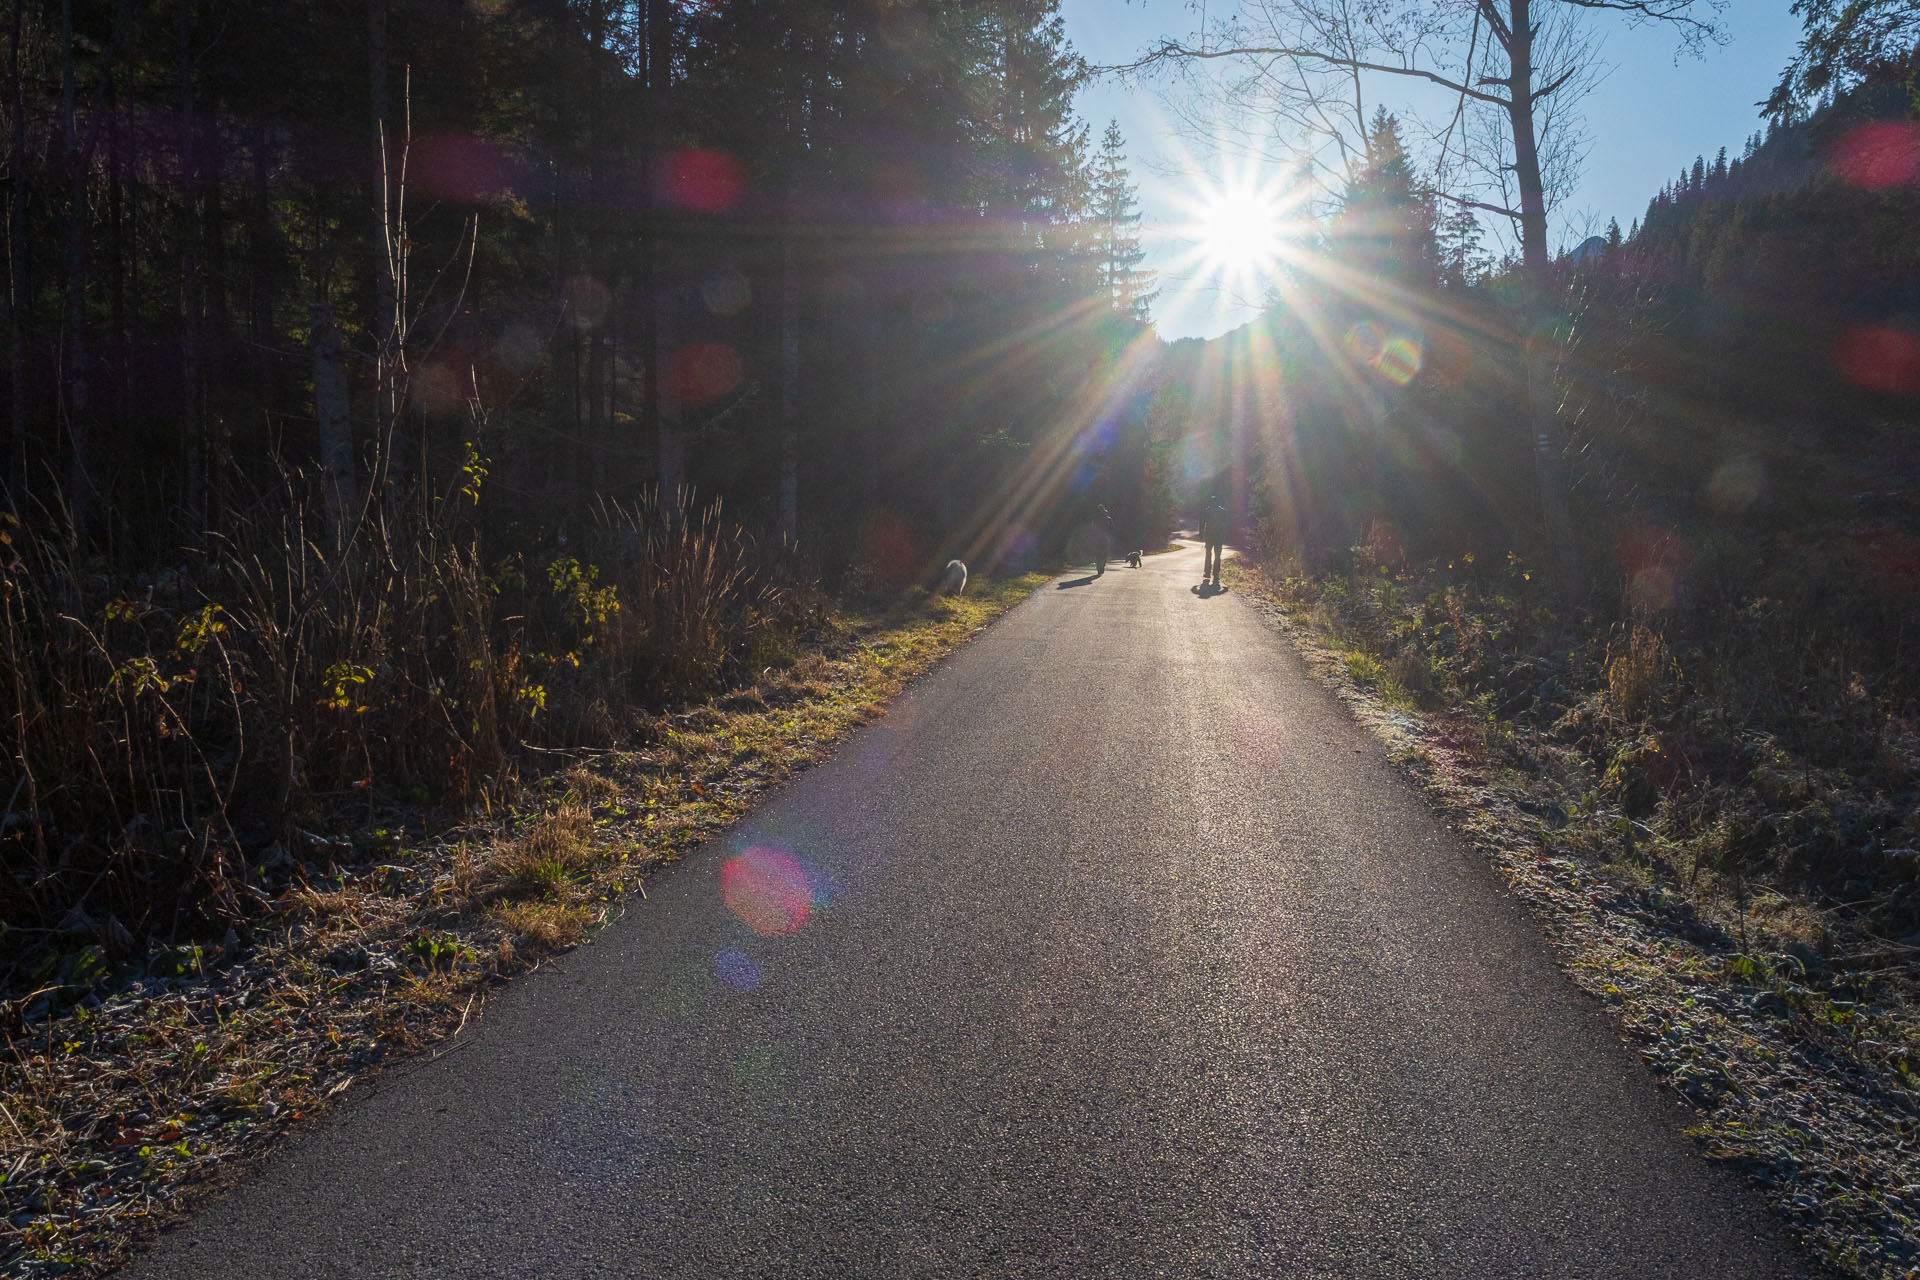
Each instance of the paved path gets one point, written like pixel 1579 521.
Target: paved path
pixel 1120 953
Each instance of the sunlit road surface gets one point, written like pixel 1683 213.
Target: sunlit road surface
pixel 1114 949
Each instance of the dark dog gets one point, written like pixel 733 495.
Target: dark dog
pixel 1133 559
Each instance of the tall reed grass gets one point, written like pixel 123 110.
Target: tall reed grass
pixel 174 738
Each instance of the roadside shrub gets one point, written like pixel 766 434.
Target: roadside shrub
pixel 174 739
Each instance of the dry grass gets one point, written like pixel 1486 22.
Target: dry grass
pixel 167 1085
pixel 548 859
pixel 1708 815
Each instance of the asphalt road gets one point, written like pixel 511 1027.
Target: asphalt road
pixel 1113 950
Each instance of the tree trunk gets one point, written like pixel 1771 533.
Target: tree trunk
pixel 216 334
pixel 661 408
pixel 336 432
pixel 1538 337
pixel 262 258
pixel 598 369
pixel 789 392
pixel 191 432
pixel 75 406
pixel 16 275
pixel 117 248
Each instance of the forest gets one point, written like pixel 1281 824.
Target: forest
pixel 393 385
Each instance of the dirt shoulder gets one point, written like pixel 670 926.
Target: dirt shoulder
pixel 1798 1068
pixel 118 1114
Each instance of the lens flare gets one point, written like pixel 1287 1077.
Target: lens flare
pixel 587 302
pixel 1395 357
pixel 726 292
pixel 1880 358
pixel 461 168
pixel 768 890
pixel 889 549
pixel 704 373
pixel 1891 557
pixel 1399 361
pixel 737 970
pixel 1736 484
pixel 1879 155
pixel 1364 343
pixel 436 391
pixel 702 181
pixel 517 348
pixel 1652 559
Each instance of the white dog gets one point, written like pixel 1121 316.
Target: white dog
pixel 953 579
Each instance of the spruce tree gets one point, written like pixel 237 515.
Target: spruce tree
pixel 1386 223
pixel 1116 217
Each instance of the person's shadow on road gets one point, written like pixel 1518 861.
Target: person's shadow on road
pixel 1206 589
pixel 1077 582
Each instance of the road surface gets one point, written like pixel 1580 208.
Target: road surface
pixel 1113 950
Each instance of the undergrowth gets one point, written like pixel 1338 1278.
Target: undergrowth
pixel 1752 735
pixel 180 744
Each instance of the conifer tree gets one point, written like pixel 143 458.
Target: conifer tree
pixel 1116 217
pixel 1386 222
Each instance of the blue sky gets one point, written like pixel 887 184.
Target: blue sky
pixel 1648 119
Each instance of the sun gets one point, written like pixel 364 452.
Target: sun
pixel 1239 230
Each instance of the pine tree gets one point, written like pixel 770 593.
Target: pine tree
pixel 1460 260
pixel 1386 222
pixel 1116 215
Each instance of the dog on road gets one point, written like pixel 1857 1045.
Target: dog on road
pixel 1133 559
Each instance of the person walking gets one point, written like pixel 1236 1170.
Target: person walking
pixel 1102 539
pixel 1213 532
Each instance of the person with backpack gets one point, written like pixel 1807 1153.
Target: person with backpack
pixel 1213 532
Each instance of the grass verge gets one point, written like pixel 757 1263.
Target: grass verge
pixel 116 1113
pixel 1770 1011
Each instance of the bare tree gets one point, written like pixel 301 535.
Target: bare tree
pixel 1511 144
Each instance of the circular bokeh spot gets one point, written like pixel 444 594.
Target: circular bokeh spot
pixel 889 548
pixel 460 168
pixel 704 181
pixel 705 372
pixel 1883 154
pixel 1364 343
pixel 726 291
pixel 1399 361
pixel 436 391
pixel 1880 358
pixel 587 302
pixel 768 890
pixel 737 970
pixel 517 348
pixel 1652 560
pixel 1736 484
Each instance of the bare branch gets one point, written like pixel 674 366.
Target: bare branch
pixel 1172 49
pixel 1465 203
pixel 1555 83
